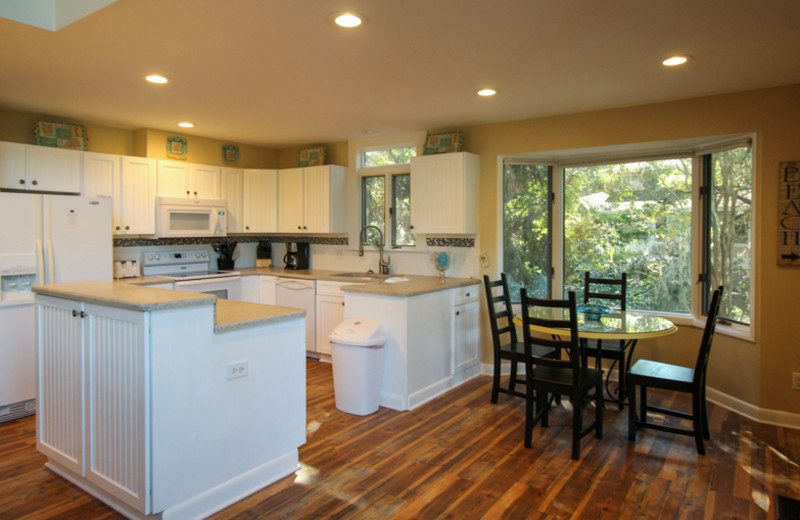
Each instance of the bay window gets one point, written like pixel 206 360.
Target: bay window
pixel 634 212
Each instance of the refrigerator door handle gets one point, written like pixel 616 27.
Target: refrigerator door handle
pixel 49 256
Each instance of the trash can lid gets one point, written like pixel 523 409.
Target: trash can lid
pixel 359 332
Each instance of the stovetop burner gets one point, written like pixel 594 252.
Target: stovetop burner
pixel 183 265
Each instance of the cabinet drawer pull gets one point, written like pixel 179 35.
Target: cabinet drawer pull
pixel 22 181
pixel 35 183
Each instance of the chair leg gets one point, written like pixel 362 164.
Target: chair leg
pixel 622 373
pixel 512 379
pixel 697 420
pixel 543 407
pixel 496 378
pixel 706 431
pixel 643 404
pixel 529 414
pixel 599 405
pixel 632 412
pixel 577 426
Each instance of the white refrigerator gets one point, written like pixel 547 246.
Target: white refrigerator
pixel 43 239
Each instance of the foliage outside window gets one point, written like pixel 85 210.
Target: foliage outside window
pixel 728 212
pixel 394 187
pixel 634 216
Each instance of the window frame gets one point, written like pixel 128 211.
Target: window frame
pixel 561 160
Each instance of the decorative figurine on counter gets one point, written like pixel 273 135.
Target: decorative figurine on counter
pixel 442 263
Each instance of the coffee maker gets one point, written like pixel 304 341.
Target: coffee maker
pixel 296 256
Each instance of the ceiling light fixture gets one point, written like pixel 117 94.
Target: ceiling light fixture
pixel 487 92
pixel 674 61
pixel 155 78
pixel 186 124
pixel 348 20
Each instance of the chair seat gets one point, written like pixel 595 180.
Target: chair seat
pixel 517 350
pixel 563 376
pixel 663 375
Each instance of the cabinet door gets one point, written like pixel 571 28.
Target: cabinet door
pixel 136 195
pixel 51 169
pixel 117 402
pixel 206 182
pixel 60 385
pixel 330 313
pixel 232 194
pixel 99 171
pixel 444 193
pixel 317 199
pixel 173 179
pixel 12 166
pixel 266 290
pixel 466 336
pixel 260 201
pixel 290 201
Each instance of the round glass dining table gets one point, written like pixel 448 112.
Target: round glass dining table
pixel 626 326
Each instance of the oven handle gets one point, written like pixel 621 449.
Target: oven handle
pixel 206 281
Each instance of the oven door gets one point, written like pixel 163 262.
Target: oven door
pixel 228 287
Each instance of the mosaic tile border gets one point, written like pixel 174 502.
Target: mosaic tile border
pixel 449 242
pixel 242 239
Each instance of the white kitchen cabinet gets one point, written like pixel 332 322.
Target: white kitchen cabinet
pixel 330 312
pixel 310 200
pixel 133 203
pixel 91 409
pixel 99 172
pixel 444 193
pixel 260 201
pixel 232 195
pixel 465 324
pixel 39 168
pixel 266 289
pixel 185 180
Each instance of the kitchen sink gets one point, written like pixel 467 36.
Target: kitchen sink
pixel 366 276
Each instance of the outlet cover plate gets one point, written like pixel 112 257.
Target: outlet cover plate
pixel 236 370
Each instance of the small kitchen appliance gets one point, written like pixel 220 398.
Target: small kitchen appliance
pixel 296 256
pixel 264 254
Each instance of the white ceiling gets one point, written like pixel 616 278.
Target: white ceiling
pixel 277 73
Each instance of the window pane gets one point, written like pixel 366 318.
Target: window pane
pixel 389 156
pixel 401 212
pixel 635 218
pixel 372 196
pixel 526 228
pixel 729 218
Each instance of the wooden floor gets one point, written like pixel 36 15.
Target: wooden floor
pixel 461 457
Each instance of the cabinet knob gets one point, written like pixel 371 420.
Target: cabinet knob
pixel 458 313
pixel 411 227
pixel 35 183
pixel 467 295
pixel 299 227
pixel 118 228
pixel 22 181
pixel 74 313
pixel 195 194
pixel 127 227
pixel 187 193
pixel 247 227
pixel 305 227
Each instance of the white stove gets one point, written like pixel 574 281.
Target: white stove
pixel 192 272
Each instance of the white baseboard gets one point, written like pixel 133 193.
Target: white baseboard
pixel 774 417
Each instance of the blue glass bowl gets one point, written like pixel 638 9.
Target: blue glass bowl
pixel 593 311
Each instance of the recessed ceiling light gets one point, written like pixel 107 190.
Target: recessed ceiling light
pixel 186 124
pixel 348 20
pixel 674 61
pixel 487 92
pixel 155 78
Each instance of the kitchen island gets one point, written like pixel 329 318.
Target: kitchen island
pixel 167 404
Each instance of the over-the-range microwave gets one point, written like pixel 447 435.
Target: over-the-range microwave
pixel 177 217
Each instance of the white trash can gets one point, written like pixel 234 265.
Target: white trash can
pixel 357 356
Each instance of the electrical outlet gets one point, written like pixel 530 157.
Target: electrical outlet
pixel 236 370
pixel 795 380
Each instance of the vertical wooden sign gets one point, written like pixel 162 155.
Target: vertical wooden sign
pixel 789 215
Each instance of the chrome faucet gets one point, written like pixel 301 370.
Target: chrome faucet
pixel 383 267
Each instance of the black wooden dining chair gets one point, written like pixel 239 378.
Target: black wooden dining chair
pixel 645 373
pixel 504 336
pixel 545 375
pixel 611 290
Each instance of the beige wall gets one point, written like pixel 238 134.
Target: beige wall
pixel 758 373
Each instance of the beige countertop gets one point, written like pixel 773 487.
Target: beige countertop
pixel 229 315
pixel 394 285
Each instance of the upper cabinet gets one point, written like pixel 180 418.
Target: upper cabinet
pixel 99 172
pixel 39 168
pixel 184 180
pixel 310 200
pixel 134 197
pixel 232 195
pixel 444 193
pixel 260 201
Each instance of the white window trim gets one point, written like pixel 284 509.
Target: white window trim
pixel 562 159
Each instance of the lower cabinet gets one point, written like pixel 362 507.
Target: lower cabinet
pixel 465 329
pixel 91 411
pixel 330 312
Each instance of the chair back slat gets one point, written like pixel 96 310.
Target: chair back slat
pixel 708 336
pixel 568 340
pixel 501 320
pixel 619 294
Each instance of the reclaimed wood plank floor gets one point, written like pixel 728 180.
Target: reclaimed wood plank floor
pixel 461 457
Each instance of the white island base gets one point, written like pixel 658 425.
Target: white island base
pixel 154 404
